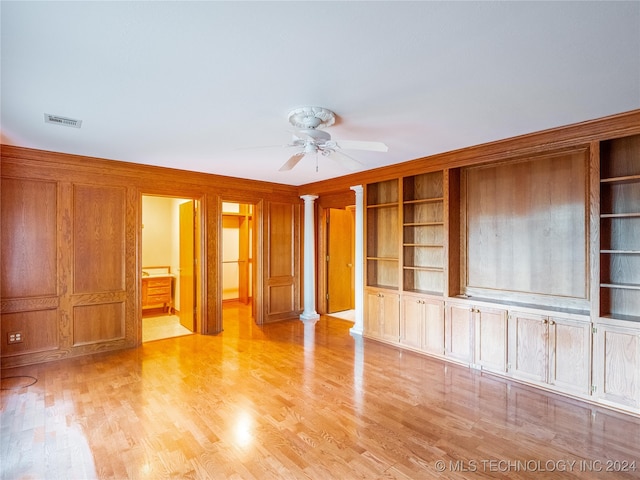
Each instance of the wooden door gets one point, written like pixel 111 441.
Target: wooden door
pixel 528 346
pixel 281 243
pixel 617 365
pixel 491 339
pixel 459 333
pixel 390 316
pixel 187 271
pixel 570 355
pixel 340 288
pixel 412 320
pixel 372 318
pixel 433 326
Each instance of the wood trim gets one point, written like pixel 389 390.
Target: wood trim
pixel 164 179
pixel 594 229
pixel 570 136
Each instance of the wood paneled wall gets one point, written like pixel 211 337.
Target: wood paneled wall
pixel 71 250
pixel 282 272
pixel 525 228
pixel 71 226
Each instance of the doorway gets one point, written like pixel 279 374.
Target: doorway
pixel 170 229
pixel 237 259
pixel 340 243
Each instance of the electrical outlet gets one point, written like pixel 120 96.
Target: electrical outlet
pixel 15 337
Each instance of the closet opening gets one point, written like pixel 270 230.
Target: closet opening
pixel 169 277
pixel 238 247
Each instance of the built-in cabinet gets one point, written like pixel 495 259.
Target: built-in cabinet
pixel 616 364
pixel 550 350
pixel 458 325
pixel 382 235
pixel 383 315
pixel 422 324
pixel 620 229
pixel 616 331
pixel 423 233
pixel 490 338
pixel 527 268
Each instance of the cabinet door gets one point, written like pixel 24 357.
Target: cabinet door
pixel 433 327
pixel 412 322
pixel 390 316
pixel 459 333
pixel 528 346
pixel 570 355
pixel 617 365
pixel 491 339
pixel 372 318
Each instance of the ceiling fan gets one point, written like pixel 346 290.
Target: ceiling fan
pixel 311 139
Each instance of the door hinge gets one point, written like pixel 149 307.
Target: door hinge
pixel 327 296
pixel 327 258
pixel 593 388
pixel 594 330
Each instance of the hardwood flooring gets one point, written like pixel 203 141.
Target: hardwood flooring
pixel 284 401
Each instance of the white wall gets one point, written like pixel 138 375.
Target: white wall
pixel 157 231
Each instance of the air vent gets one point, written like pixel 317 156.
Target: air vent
pixel 64 121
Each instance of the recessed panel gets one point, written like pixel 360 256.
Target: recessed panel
pixel 99 219
pixel 98 323
pixel 29 332
pixel 526 226
pixel 28 235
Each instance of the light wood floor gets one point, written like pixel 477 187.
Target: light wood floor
pixel 280 402
pixel 162 326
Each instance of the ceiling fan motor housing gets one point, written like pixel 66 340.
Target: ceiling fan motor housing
pixel 316 136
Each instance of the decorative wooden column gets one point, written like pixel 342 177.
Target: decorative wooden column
pixel 309 314
pixel 358 327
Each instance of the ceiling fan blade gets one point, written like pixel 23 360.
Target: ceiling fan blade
pixel 345 160
pixel 292 162
pixel 360 145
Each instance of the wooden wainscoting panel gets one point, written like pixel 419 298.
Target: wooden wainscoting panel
pixel 38 330
pixel 28 240
pixel 281 233
pixel 280 299
pixel 98 323
pixel 99 227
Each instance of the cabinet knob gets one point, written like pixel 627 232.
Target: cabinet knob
pixel 545 321
pixel 551 322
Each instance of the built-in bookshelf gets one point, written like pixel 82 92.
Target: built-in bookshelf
pixel 382 234
pixel 423 233
pixel 620 228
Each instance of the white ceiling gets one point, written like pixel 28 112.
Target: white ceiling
pixel 199 85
